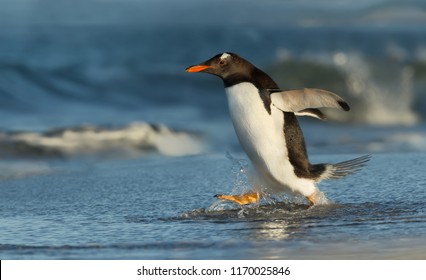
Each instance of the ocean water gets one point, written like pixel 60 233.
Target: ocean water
pixel 109 150
pixel 164 209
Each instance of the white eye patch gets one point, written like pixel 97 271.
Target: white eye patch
pixel 225 56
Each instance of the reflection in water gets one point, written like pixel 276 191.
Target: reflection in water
pixel 297 231
pixel 284 221
pixel 267 222
pixel 272 230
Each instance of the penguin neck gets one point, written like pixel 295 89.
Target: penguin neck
pixel 235 79
pixel 259 79
pixel 256 76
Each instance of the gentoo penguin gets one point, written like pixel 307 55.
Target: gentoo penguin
pixel 264 119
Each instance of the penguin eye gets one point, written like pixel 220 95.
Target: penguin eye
pixel 222 62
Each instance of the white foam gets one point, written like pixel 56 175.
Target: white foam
pixel 379 91
pixel 380 101
pixel 134 139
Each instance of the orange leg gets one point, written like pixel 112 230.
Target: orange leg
pixel 243 199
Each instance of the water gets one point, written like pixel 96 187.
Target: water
pixel 109 150
pixel 159 208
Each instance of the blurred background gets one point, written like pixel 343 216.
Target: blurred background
pixel 106 77
pixel 95 102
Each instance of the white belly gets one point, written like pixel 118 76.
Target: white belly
pixel 261 136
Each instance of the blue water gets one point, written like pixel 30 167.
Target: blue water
pixel 109 150
pixel 159 208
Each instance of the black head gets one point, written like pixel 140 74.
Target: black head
pixel 228 66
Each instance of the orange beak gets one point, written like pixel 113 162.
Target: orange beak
pixel 196 68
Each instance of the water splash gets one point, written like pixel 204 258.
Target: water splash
pixel 240 171
pixel 322 199
pixel 243 183
pixel 240 183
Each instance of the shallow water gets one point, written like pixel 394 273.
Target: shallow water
pixel 161 209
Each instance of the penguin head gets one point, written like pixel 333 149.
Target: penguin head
pixel 224 65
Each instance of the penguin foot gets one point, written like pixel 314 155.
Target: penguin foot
pixel 312 199
pixel 247 198
pixel 318 198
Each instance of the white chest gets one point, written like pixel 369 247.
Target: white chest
pixel 260 133
pixel 262 137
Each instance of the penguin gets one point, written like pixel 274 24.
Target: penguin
pixel 265 121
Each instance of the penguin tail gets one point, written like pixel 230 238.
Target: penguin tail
pixel 344 168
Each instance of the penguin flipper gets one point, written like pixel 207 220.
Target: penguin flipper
pixel 315 113
pixel 297 100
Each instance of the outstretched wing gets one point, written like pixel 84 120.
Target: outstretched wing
pixel 298 100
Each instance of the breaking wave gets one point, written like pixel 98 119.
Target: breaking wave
pixel 133 140
pixel 382 91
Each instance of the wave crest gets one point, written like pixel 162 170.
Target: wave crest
pixel 384 92
pixel 135 139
